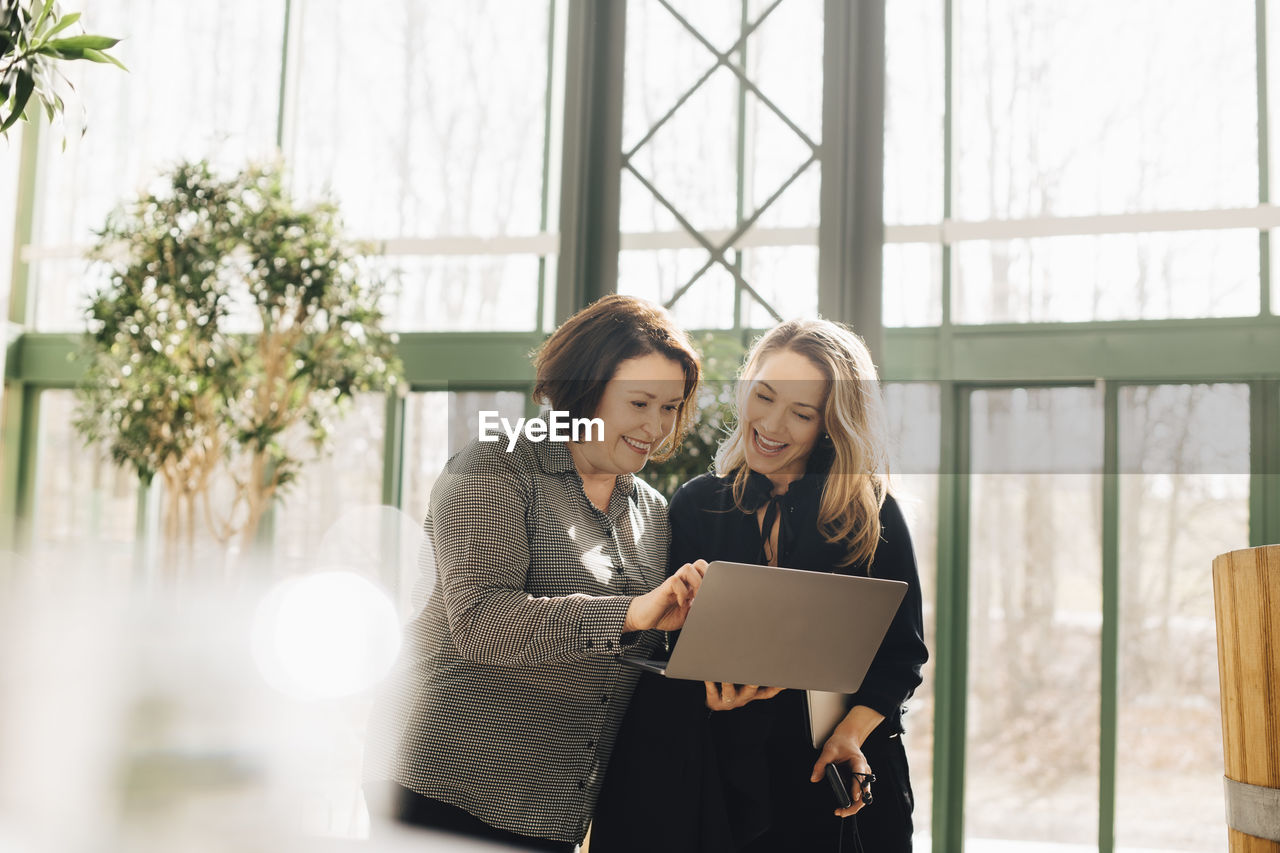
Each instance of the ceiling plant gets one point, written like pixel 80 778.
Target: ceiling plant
pixel 35 39
pixel 235 324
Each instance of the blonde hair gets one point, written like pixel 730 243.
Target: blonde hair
pixel 853 417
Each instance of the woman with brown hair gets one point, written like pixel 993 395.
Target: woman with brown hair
pixel 551 558
pixel 800 482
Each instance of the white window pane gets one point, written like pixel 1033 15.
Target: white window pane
pixel 692 159
pixel 1272 12
pixel 348 479
pixel 640 211
pixel 785 60
pixel 915 424
pixel 912 275
pixel 426 119
pixel 10 151
pixel 85 507
pixel 787 278
pixel 1273 238
pixel 662 62
pixel 779 60
pixel 1109 277
pixel 913 119
pixel 774 154
pixel 437 425
pixel 1098 107
pixel 719 21
pixel 656 275
pixel 462 292
pixel 62 288
pixel 1184 499
pixel 914 417
pixel 1034 617
pixel 195 89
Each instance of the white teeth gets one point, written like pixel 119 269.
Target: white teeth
pixel 769 445
pixel 643 448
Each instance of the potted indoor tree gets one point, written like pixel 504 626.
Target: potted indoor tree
pixel 235 321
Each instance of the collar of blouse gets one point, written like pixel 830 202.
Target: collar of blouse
pixel 804 493
pixel 807 489
pixel 554 458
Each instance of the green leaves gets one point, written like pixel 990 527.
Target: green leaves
pixel 82 47
pixel 169 377
pixel 96 55
pixel 44 13
pixel 66 21
pixel 29 53
pixel 714 415
pixel 23 86
pixel 81 42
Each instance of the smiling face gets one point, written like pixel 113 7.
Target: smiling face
pixel 782 417
pixel 639 409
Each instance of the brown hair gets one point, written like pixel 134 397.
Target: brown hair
pixel 578 360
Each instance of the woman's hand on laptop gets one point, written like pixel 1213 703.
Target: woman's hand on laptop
pixel 666 607
pixel 726 697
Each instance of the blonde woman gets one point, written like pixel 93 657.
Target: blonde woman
pixel 801 482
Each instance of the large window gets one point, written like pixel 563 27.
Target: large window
pixel 179 55
pixel 1084 178
pixel 722 119
pixel 1057 115
pixel 438 143
pixel 440 146
pixel 1064 185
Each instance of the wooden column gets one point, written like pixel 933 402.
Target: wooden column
pixel 1246 595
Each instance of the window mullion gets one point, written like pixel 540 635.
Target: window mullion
pixel 1110 655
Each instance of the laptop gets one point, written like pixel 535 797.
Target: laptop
pixel 778 627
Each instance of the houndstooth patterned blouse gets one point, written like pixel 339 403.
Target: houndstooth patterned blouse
pixel 508 693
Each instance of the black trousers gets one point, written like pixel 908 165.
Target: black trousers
pixel 802 812
pixel 738 782
pixel 410 807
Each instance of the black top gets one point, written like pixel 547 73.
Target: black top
pixel 705 524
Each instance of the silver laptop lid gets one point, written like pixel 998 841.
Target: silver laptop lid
pixel 784 627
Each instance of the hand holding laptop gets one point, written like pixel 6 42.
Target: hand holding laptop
pixel 726 697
